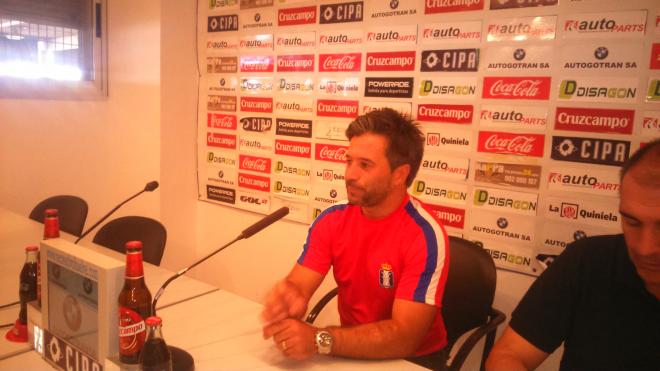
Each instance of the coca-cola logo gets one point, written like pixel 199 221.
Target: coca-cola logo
pixel 253 163
pixel 295 63
pixel 220 121
pixel 535 88
pixel 330 152
pixel 256 63
pixel 510 143
pixel 340 62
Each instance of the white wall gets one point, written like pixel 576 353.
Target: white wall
pixel 103 151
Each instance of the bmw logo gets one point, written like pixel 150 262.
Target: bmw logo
pixel 394 4
pixel 578 235
pixel 519 54
pixel 87 286
pixel 333 193
pixel 222 82
pixel 601 52
pixel 502 223
pixel 221 174
pixel 257 17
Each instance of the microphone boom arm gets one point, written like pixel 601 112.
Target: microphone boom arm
pixel 106 216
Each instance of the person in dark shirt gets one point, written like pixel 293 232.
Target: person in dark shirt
pixel 601 297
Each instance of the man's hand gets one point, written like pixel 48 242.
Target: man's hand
pixel 285 300
pixel 293 337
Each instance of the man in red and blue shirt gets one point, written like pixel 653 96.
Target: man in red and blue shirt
pixel 389 257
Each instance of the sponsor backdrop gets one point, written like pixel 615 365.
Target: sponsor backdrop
pixel 528 107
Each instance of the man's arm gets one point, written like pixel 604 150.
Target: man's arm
pixel 289 297
pixel 512 353
pixel 397 337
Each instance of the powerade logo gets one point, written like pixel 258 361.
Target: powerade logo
pixel 226 195
pixel 341 12
pixel 223 23
pixel 590 150
pixel 294 128
pixel 390 87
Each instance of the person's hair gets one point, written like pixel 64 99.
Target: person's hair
pixel 647 159
pixel 405 141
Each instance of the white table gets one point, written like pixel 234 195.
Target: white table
pixel 222 331
pixel 17 231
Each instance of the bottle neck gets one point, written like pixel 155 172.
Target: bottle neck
pixel 134 268
pixel 31 256
pixel 154 332
pixel 51 227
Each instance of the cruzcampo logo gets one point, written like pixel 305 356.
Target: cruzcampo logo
pixel 653 93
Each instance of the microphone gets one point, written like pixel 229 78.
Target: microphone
pixel 149 187
pixel 247 233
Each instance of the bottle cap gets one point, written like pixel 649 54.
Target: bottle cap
pixel 32 248
pixel 153 321
pixel 133 245
pixel 50 212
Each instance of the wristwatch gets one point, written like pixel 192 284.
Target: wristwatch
pixel 323 342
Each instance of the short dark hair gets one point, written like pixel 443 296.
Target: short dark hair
pixel 649 157
pixel 405 141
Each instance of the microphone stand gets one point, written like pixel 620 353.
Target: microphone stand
pixel 147 188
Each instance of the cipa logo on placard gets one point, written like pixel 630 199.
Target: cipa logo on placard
pixel 590 150
pixel 223 23
pixel 341 12
pixel 450 60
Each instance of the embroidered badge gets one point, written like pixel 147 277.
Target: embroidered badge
pixel 386 277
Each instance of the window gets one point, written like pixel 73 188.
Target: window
pixel 52 49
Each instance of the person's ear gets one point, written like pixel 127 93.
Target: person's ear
pixel 400 174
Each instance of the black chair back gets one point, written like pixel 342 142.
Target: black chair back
pixel 72 212
pixel 470 288
pixel 151 232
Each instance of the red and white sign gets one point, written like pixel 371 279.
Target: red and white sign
pixel 257 42
pixel 296 16
pixel 392 35
pixel 350 62
pixel 256 182
pixel 220 121
pixel 447 216
pixel 257 104
pixel 595 120
pixel 455 168
pixel 651 124
pixel 337 108
pixel 525 144
pixel 519 117
pixel 295 63
pixel 533 87
pixel 521 29
pixel 336 39
pixel 438 137
pixel 446 6
pixel 293 148
pixel 450 113
pixel 221 44
pixel 620 24
pixel 257 144
pixel 391 61
pixel 221 140
pixel 453 32
pixel 256 63
pixel 294 41
pixel 405 108
pixel 330 152
pixel 254 163
pixel 589 180
pixel 655 57
pixel 294 106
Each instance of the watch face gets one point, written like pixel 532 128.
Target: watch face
pixel 324 342
pixel 326 339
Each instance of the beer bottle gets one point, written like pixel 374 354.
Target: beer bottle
pixel 155 355
pixel 134 306
pixel 51 230
pixel 27 289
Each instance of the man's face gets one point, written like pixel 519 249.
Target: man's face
pixel 640 209
pixel 368 175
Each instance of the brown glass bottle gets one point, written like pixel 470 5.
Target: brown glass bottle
pixel 27 290
pixel 51 230
pixel 134 306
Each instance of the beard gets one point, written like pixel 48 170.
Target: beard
pixel 362 196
